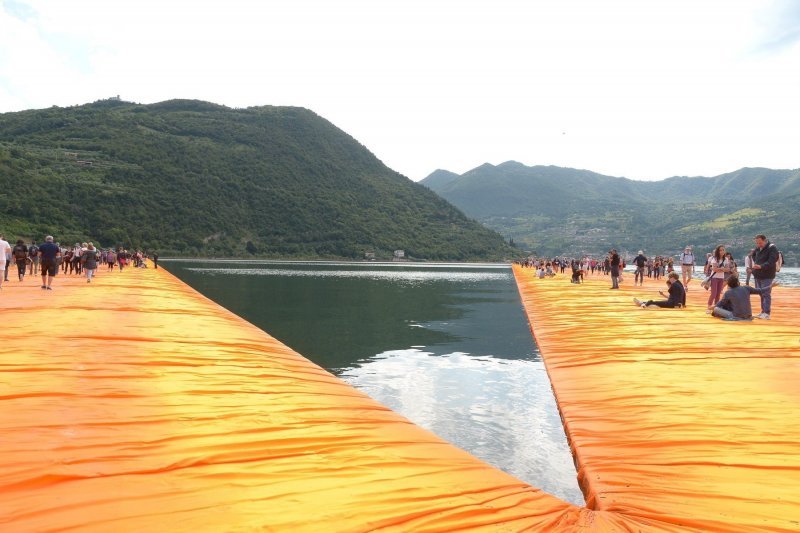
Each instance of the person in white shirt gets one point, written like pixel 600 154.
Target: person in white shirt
pixel 687 266
pixel 748 265
pixel 5 251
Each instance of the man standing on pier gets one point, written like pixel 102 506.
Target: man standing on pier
pixel 687 266
pixel 640 262
pixel 49 253
pixel 765 260
pixel 5 249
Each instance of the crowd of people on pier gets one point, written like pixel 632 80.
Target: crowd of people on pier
pixel 719 270
pixel 50 258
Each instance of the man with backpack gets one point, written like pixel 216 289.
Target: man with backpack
pixel 33 253
pixel 20 253
pixel 688 263
pixel 765 264
pixel 640 261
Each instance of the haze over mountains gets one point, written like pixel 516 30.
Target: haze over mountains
pixel 551 210
pixel 195 178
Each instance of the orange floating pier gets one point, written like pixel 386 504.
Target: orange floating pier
pixel 674 416
pixel 136 404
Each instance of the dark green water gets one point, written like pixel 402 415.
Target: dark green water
pixel 447 346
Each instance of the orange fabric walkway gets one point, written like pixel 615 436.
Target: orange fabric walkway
pixel 136 404
pixel 674 416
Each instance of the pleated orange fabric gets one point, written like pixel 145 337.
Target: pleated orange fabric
pixel 136 404
pixel 674 416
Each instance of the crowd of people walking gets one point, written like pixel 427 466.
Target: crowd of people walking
pixel 720 273
pixel 81 259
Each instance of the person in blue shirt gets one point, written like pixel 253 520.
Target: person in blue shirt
pixel 735 303
pixel 49 253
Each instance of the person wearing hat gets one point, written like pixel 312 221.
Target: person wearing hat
pixel 688 263
pixel 640 261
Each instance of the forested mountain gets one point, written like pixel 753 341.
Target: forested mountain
pixel 194 178
pixel 550 209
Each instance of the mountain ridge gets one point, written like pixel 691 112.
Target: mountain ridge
pixel 550 209
pixel 195 178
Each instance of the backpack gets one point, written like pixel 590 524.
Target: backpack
pixel 779 262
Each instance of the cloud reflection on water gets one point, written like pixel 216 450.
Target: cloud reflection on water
pixel 500 410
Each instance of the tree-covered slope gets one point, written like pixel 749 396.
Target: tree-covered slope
pixel 196 178
pixel 554 209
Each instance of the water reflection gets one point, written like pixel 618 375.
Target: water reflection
pixel 499 410
pixel 448 347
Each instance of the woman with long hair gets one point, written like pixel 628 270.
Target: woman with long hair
pixel 719 267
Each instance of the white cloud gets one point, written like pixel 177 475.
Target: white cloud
pixel 643 89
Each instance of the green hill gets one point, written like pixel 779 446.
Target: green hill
pixel 194 178
pixel 551 210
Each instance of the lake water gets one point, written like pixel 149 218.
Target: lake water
pixel 447 346
pixel 788 277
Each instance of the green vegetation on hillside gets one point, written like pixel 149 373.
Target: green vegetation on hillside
pixel 553 210
pixel 194 178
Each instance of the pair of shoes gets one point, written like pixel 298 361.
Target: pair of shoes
pixel 88 281
pixel 44 286
pixel 49 288
pixel 763 316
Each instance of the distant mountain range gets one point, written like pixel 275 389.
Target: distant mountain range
pixel 549 210
pixel 193 178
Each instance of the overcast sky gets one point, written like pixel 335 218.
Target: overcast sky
pixel 642 89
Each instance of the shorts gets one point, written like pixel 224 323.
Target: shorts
pixel 687 269
pixel 49 267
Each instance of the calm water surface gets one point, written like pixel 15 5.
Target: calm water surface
pixel 447 346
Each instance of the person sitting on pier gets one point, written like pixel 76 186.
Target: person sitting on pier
pixel 676 298
pixel 735 303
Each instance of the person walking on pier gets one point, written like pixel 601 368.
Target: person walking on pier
pixel 155 262
pixel 20 253
pixel 640 261
pixel 613 261
pixel 765 260
pixel 8 257
pixel 748 265
pixel 5 251
pixel 49 253
pixel 33 253
pixel 89 260
pixel 688 263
